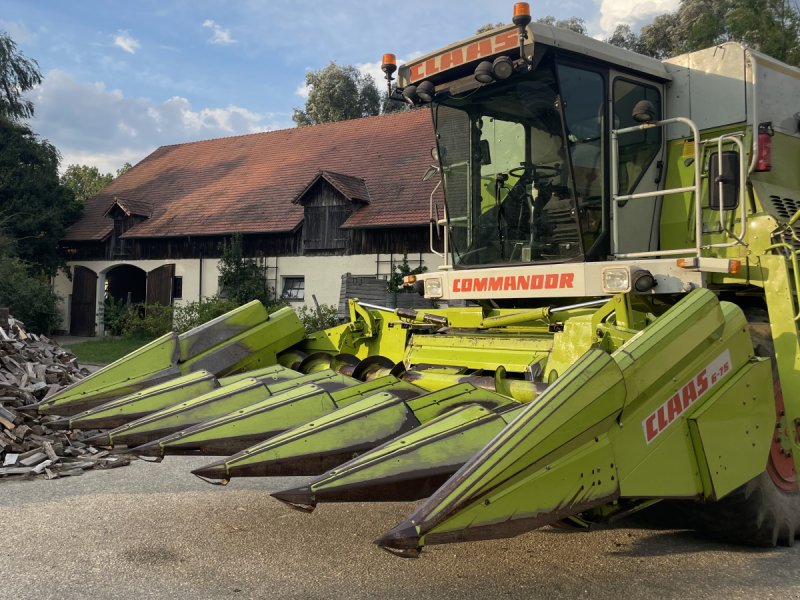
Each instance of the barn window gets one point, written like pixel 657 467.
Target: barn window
pixel 293 288
pixel 177 287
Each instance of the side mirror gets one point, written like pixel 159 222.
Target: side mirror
pixel 729 177
pixel 432 170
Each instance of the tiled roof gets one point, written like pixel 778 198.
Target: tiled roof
pixel 248 183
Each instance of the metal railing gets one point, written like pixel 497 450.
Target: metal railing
pixel 696 189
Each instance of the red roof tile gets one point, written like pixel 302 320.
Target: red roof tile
pixel 248 183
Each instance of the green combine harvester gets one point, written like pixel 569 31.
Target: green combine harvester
pixel 618 325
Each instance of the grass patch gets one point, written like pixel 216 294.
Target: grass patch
pixel 106 350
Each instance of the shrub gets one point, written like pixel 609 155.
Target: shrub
pixel 190 315
pixel 115 316
pixel 149 320
pixel 28 297
pixel 318 319
pixel 394 284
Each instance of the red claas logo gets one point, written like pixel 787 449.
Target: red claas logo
pixel 464 54
pixel 666 414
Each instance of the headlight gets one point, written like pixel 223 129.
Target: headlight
pixel 433 287
pixel 616 280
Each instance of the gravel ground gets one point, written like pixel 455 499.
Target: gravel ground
pixel 154 531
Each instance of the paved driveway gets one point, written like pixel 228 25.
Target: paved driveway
pixel 155 531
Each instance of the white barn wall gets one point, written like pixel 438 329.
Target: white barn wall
pixel 323 276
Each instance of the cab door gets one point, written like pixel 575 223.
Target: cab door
pixel 640 165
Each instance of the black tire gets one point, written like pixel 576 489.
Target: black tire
pixel 759 513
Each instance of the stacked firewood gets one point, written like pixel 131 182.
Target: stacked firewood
pixel 31 367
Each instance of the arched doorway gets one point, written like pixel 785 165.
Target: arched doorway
pixel 126 284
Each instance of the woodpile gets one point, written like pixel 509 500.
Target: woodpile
pixel 31 367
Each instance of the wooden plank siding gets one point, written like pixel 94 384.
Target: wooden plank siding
pixel 359 241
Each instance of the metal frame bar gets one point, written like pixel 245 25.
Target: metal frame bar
pixel 696 189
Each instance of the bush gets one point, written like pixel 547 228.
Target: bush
pixel 149 320
pixel 190 315
pixel 115 316
pixel 28 297
pixel 394 284
pixel 144 321
pixel 317 320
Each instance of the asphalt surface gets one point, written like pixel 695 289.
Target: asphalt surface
pixel 155 531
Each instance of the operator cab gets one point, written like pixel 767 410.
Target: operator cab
pixel 524 150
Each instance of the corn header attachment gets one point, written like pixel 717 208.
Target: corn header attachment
pixel 606 407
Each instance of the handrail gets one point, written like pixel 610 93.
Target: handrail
pixel 696 189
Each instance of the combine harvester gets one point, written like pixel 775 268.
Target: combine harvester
pixel 621 275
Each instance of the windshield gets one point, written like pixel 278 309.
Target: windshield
pixel 509 187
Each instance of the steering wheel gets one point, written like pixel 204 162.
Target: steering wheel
pixel 532 168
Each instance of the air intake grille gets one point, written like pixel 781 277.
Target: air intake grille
pixel 784 209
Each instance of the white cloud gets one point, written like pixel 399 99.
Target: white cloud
pixel 91 124
pixel 632 12
pixel 374 69
pixel 219 34
pixel 303 90
pixel 127 43
pixel 18 32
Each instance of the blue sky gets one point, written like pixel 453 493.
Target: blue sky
pixel 124 77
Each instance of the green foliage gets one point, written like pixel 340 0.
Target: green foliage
pixel 575 24
pixel 18 75
pixel 190 315
pixel 30 298
pixel 392 106
pixel 338 94
pixel 115 316
pixel 85 181
pixel 395 281
pixel 318 319
pixel 124 169
pixel 770 26
pixel 149 321
pixel 488 27
pixel 242 279
pixel 34 206
pixel 143 321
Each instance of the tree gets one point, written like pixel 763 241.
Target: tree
pixel 624 37
pixel 29 297
pixel 34 207
pixel 124 169
pixel 17 75
pixel 338 94
pixel 488 27
pixel 241 279
pixel 392 106
pixel 575 24
pixel 770 26
pixel 85 181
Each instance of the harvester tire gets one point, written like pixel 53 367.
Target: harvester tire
pixel 765 511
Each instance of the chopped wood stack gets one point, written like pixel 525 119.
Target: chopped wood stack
pixel 31 367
